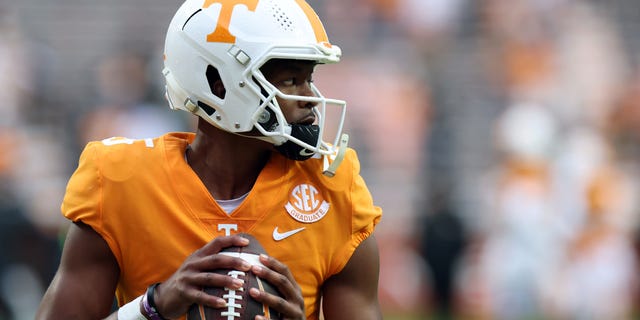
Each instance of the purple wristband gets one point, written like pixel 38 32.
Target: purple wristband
pixel 149 305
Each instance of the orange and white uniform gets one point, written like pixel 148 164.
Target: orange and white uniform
pixel 151 208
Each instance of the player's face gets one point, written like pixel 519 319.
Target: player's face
pixel 293 77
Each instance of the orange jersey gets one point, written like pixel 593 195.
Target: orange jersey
pixel 151 208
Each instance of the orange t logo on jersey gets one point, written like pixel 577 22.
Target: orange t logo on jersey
pixel 221 33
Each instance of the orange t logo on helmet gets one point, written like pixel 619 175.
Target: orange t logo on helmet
pixel 222 34
pixel 318 29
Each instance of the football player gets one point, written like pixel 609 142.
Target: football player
pixel 150 216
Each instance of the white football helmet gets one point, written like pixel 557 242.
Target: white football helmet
pixel 237 37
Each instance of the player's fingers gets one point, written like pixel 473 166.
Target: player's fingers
pixel 276 265
pixel 219 243
pixel 212 279
pixel 278 274
pixel 218 261
pixel 175 295
pixel 198 296
pixel 288 309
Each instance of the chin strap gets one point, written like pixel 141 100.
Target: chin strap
pixel 310 135
pixel 329 170
pixel 306 133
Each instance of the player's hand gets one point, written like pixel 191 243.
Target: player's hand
pixel 291 306
pixel 174 296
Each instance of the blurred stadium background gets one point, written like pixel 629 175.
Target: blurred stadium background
pixel 501 137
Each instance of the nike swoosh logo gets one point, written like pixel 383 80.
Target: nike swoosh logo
pixel 305 152
pixel 277 236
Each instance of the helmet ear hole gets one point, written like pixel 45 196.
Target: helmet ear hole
pixel 215 82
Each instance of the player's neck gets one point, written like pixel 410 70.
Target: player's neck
pixel 227 164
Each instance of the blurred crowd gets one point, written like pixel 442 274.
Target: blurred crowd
pixel 501 138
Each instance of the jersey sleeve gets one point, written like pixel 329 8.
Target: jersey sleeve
pixel 365 215
pixel 83 199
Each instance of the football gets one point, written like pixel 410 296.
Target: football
pixel 240 305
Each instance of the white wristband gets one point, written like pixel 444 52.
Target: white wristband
pixel 131 311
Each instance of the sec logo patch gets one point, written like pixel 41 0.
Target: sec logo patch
pixel 306 204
